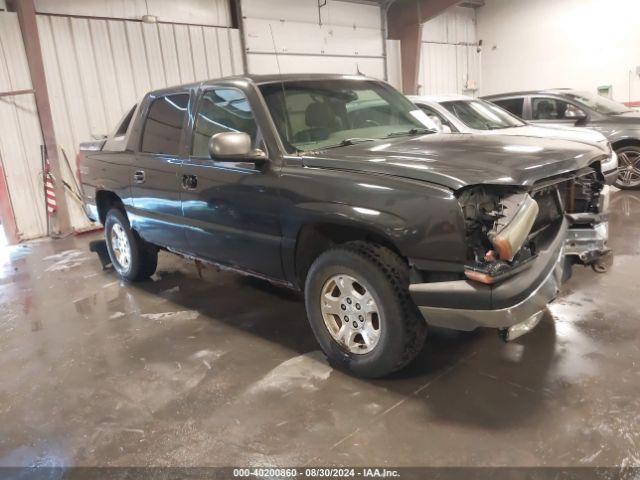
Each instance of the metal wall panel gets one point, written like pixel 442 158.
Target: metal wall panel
pixel 449 61
pixel 454 25
pixel 20 135
pixel 200 12
pixel 341 37
pixel 97 69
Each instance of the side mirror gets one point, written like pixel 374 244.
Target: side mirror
pixel 574 113
pixel 445 129
pixel 234 147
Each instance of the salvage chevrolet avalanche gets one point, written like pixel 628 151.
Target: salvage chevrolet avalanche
pixel 337 186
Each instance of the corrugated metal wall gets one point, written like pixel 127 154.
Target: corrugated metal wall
pixel 195 12
pixel 449 61
pixel 341 37
pixel 97 69
pixel 20 135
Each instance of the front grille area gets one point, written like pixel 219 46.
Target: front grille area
pixel 577 192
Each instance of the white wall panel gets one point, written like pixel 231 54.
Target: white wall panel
pixel 541 44
pixel 97 69
pixel 201 12
pixel 449 61
pixel 346 37
pixel 394 64
pixel 20 135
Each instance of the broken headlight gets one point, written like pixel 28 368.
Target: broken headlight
pixel 498 223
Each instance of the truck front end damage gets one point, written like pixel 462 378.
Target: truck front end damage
pixel 587 202
pixel 521 243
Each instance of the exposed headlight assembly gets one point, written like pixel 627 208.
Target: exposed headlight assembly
pixel 498 222
pixel 519 212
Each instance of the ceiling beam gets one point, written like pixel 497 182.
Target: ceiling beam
pixel 404 23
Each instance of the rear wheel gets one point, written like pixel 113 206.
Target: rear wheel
pixel 628 168
pixel 359 307
pixel 133 258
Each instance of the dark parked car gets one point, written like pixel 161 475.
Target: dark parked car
pixel 380 222
pixel 618 123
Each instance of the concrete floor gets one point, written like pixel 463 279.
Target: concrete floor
pixel 225 371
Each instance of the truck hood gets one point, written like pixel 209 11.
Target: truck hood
pixel 458 160
pixel 577 134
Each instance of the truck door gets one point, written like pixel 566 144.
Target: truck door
pixel 156 172
pixel 231 209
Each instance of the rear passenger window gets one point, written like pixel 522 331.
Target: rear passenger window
pixel 512 105
pixel 164 124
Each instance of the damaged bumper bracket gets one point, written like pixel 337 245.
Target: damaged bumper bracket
pixel 588 234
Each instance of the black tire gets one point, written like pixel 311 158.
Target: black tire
pixel 143 256
pixel 386 275
pixel 633 152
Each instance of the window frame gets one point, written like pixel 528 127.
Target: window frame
pixel 523 99
pixel 192 124
pixel 556 98
pixel 183 129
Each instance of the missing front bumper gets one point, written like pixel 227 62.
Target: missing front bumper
pixel 464 305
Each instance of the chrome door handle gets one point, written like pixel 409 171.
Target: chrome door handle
pixel 138 176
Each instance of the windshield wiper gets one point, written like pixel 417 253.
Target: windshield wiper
pixel 413 131
pixel 349 141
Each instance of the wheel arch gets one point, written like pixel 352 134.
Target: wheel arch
pixel 626 142
pixel 316 237
pixel 105 200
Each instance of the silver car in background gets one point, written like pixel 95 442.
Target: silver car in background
pixel 567 107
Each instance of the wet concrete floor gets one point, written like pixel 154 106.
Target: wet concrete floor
pixel 224 370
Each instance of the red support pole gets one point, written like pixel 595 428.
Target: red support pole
pixel 27 19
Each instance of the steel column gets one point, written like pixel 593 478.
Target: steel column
pixel 404 23
pixel 29 28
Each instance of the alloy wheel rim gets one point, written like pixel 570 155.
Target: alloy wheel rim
pixel 629 168
pixel 350 313
pixel 120 246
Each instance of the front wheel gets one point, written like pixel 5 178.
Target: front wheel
pixel 133 258
pixel 628 168
pixel 358 304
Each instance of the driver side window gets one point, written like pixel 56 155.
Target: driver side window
pixel 553 109
pixel 221 109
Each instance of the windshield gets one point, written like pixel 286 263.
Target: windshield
pixel 482 115
pixel 598 103
pixel 316 114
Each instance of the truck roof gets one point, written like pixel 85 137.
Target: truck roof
pixel 445 97
pixel 552 91
pixel 264 79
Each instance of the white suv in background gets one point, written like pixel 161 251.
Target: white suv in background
pixel 463 114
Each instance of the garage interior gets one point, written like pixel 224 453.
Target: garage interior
pixel 206 367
